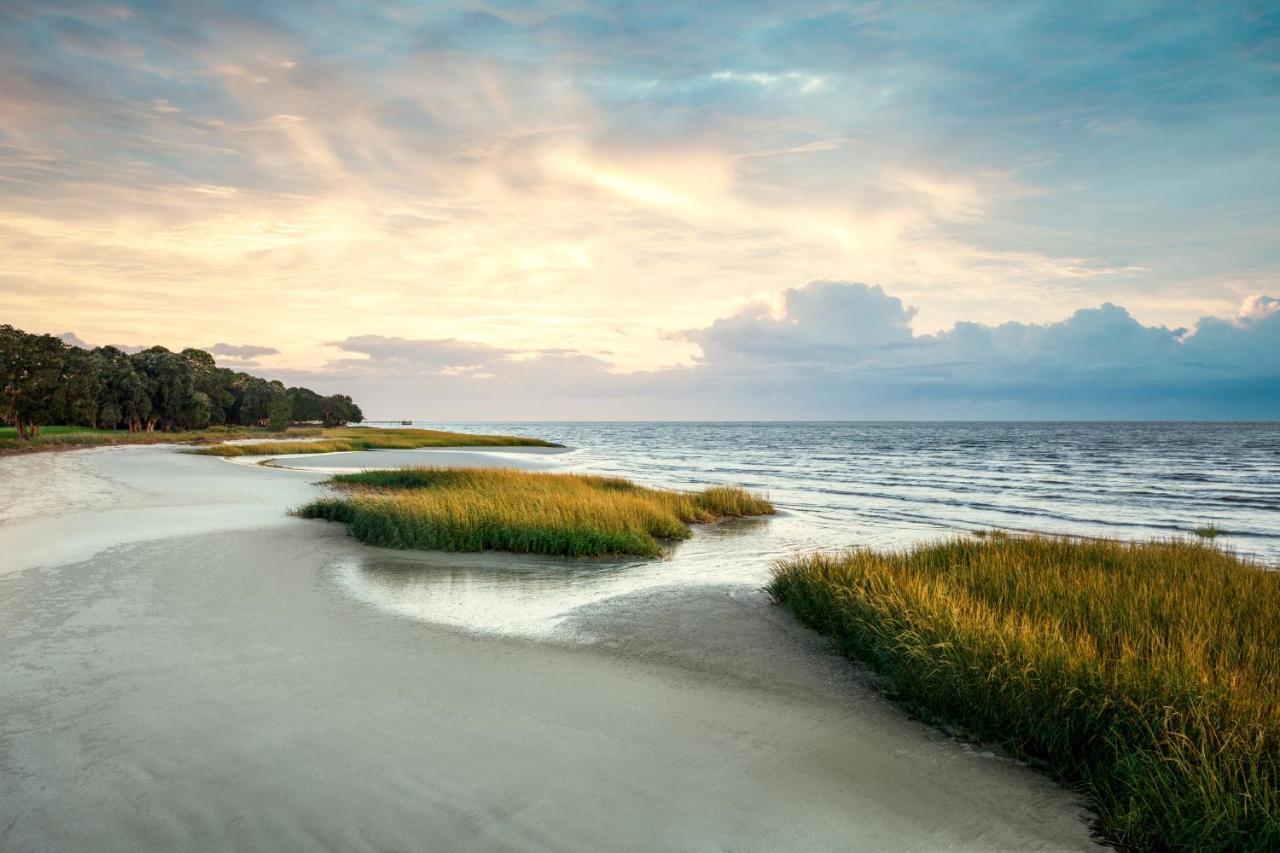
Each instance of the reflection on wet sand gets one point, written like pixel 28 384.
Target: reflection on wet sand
pixel 528 595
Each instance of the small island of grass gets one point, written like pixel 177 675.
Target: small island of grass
pixel 477 509
pixel 1144 674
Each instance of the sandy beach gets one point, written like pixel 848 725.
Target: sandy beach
pixel 186 667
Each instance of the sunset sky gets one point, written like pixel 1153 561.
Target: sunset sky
pixel 714 209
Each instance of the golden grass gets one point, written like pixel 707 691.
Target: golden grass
pixel 1145 674
pixel 364 438
pixel 475 509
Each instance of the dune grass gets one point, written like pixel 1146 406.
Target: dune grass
pixel 364 438
pixel 70 437
pixel 476 509
pixel 1147 675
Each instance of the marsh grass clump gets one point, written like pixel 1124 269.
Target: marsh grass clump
pixel 69 437
pixel 1144 674
pixel 364 438
pixel 476 509
pixel 1208 531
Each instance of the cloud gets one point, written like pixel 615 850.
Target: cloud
pixel 448 378
pixel 854 343
pixel 1258 307
pixel 417 355
pixel 74 340
pixel 241 352
pixel 822 322
pixel 450 360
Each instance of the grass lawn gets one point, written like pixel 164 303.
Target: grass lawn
pixel 476 509
pixel 1147 675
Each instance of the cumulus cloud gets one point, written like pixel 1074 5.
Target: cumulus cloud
pixel 1258 307
pixel 823 322
pixel 855 342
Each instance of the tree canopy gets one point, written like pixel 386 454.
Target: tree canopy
pixel 44 380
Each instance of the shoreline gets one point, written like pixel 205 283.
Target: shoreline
pixel 456 457
pixel 212 666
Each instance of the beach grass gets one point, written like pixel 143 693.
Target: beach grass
pixel 364 438
pixel 1208 531
pixel 477 509
pixel 1146 675
pixel 69 437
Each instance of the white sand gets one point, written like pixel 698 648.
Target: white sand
pixel 184 670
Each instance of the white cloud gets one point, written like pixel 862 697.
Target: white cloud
pixel 823 322
pixel 791 79
pixel 1257 307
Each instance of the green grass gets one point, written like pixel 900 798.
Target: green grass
pixel 476 509
pixel 1146 675
pixel 68 437
pixel 1208 531
pixel 12 432
pixel 363 438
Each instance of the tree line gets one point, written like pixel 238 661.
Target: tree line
pixel 44 380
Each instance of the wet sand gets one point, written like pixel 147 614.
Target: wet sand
pixel 524 458
pixel 185 669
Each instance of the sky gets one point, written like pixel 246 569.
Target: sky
pixel 747 209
